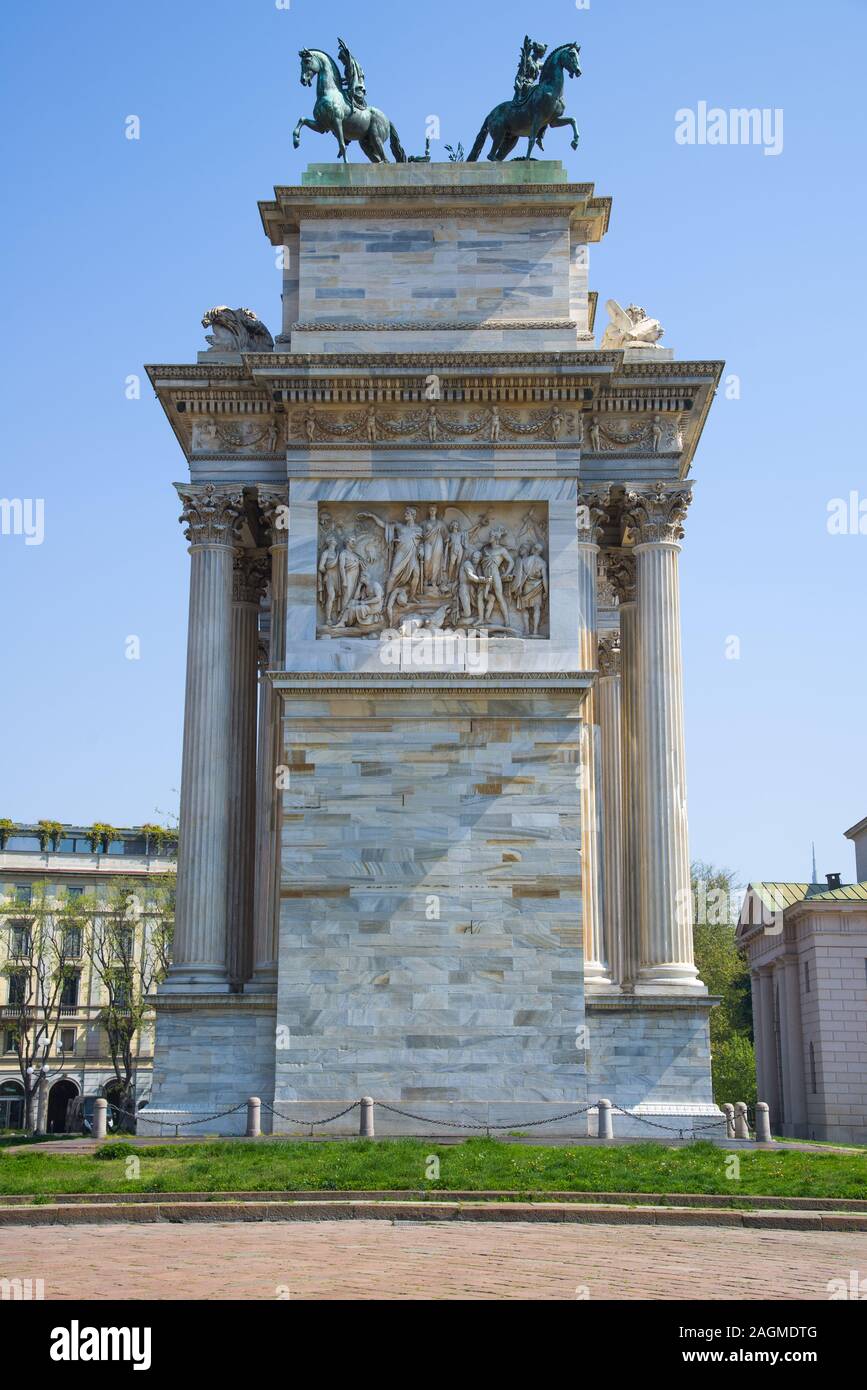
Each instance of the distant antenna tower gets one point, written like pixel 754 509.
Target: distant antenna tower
pixel 815 878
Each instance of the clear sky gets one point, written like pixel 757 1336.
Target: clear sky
pixel 112 249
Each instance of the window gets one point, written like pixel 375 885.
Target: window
pixel 74 890
pixel 69 990
pixel 67 1041
pixel 71 943
pixel 24 893
pixel 18 981
pixel 813 1085
pixel 122 947
pixel 806 977
pixel 10 1040
pixel 121 992
pixel 20 943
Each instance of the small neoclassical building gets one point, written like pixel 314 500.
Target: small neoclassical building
pixel 806 944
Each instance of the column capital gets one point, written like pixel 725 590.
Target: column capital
pixel 620 571
pixel 655 514
pixel 251 571
pixel 211 513
pixel 609 654
pixel 591 513
pixel 274 510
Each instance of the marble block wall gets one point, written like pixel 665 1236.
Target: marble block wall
pixel 430 926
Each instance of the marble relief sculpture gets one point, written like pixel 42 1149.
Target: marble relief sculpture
pixel 435 566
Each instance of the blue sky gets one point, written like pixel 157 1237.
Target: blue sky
pixel 113 248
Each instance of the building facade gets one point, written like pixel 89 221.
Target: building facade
pixel 39 875
pixel 806 944
pixel 433 830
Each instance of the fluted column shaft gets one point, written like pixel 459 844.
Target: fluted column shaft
pixel 591 513
pixel 663 843
pixel 630 935
pixel 612 805
pixel 249 574
pixel 267 923
pixel 200 942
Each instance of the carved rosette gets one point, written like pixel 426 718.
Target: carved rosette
pixel 250 574
pixel 591 513
pixel 211 515
pixel 274 511
pixel 656 515
pixel 620 569
pixel 609 654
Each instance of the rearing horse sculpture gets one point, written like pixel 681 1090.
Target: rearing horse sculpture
pixel 542 107
pixel 341 107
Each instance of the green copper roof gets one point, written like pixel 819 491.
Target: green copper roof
pixel 777 895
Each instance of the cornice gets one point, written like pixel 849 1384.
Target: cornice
pixel 294 684
pixel 427 326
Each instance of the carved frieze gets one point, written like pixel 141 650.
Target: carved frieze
pixel 234 436
pixel 435 423
pixel 612 434
pixel 433 565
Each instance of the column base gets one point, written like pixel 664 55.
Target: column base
pixel 597 980
pixel 262 981
pixel 195 979
pixel 669 978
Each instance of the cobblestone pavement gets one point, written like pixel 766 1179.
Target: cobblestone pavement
pixel 378 1260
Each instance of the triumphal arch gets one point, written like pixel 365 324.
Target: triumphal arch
pixel 433 836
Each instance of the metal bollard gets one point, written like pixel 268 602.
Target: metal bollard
pixel 742 1128
pixel 100 1118
pixel 254 1117
pixel 763 1123
pixel 365 1127
pixel 42 1107
pixel 729 1112
pixel 605 1128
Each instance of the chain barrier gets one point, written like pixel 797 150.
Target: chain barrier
pixel 513 1125
pixel 468 1124
pixel 293 1120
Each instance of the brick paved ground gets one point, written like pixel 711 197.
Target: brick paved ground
pixel 373 1259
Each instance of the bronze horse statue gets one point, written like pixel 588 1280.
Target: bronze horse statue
pixel 531 115
pixel 341 107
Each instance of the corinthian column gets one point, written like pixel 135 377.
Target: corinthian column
pixel 211 516
pixel 612 802
pixel 249 577
pixel 273 503
pixel 590 516
pixel 621 571
pixel 655 516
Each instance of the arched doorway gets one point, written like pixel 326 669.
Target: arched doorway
pixel 11 1105
pixel 61 1093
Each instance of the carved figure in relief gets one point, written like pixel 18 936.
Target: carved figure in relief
pixel 435 536
pixel 495 424
pixel 455 548
pixel 310 425
pixel 534 589
pixel 557 423
pixel 656 433
pixel 366 610
pixel 371 424
pixel 472 586
pixel 349 567
pixel 594 435
pixel 403 541
pixel 328 579
pixel 432 425
pixel 497 565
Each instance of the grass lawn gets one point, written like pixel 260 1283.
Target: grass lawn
pixel 476 1164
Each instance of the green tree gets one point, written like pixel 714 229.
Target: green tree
pixel 723 969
